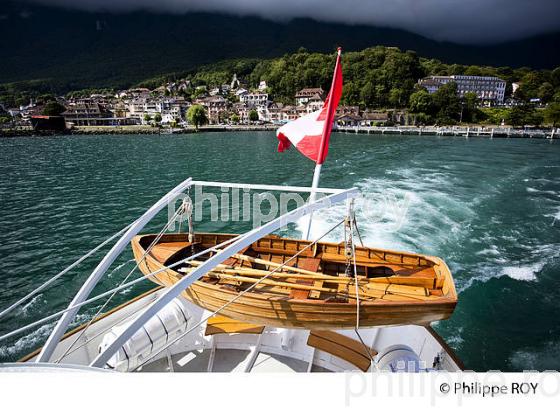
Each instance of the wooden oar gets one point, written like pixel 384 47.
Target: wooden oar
pixel 378 291
pixel 421 282
pixel 429 283
pixel 281 284
pixel 272 264
pixel 419 285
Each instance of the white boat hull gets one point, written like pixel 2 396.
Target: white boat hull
pixel 276 350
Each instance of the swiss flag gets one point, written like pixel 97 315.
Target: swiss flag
pixel 310 134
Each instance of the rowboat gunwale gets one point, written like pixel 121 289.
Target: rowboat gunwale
pixel 450 297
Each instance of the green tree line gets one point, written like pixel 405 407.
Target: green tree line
pixel 376 78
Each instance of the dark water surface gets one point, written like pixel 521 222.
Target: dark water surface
pixel 490 208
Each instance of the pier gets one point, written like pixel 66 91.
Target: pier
pixel 456 131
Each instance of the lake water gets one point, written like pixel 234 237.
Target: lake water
pixel 489 207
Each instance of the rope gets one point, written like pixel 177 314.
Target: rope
pixel 167 345
pixel 144 254
pixel 61 273
pixel 92 318
pixel 102 295
pixel 358 231
pixel 356 329
pixel 185 209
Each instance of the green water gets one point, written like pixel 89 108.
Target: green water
pixel 490 208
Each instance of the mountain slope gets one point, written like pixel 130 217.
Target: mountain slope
pixel 80 49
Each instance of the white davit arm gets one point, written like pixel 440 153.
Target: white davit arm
pixel 99 271
pixel 243 241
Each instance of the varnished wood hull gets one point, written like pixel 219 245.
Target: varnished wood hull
pixel 286 312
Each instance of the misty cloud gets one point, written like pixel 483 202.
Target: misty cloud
pixel 465 21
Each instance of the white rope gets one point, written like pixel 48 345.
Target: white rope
pixel 152 355
pixel 102 295
pixel 61 273
pixel 352 219
pixel 358 231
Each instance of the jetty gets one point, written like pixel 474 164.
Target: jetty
pixel 456 131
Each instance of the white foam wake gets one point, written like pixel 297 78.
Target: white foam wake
pixel 524 272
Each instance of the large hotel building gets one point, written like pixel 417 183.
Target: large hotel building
pixel 488 89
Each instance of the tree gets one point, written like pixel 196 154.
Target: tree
pixel 53 108
pixel 421 102
pixel 157 118
pixel 552 114
pixel 396 97
pixel 536 118
pixel 546 92
pixel 555 76
pixel 45 98
pixel 524 115
pixel 147 118
pixel 234 118
pixel 196 115
pixel 446 104
pixel 253 116
pixel 471 113
pixel 516 116
pixel 198 92
pixel 367 94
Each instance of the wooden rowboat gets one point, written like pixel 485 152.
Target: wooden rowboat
pixel 313 290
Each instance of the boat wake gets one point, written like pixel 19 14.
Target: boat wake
pixel 427 211
pixel 541 359
pixel 402 212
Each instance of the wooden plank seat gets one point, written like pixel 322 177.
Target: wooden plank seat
pixel 312 265
pixel 163 251
pixel 234 262
pixel 217 325
pixel 343 347
pixel 224 325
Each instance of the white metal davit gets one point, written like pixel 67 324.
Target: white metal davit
pixel 241 242
pixel 102 267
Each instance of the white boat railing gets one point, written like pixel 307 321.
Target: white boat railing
pixel 261 187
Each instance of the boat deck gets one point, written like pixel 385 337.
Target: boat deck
pixel 229 360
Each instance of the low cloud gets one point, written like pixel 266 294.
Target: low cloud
pixel 463 21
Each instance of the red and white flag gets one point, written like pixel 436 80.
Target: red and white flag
pixel 310 134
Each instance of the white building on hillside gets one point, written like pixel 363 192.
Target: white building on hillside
pixel 307 94
pixel 487 89
pixel 257 99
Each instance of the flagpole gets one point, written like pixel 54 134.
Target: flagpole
pixel 326 131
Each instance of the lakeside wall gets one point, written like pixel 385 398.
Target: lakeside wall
pixel 457 131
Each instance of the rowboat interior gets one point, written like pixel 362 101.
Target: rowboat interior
pixel 298 284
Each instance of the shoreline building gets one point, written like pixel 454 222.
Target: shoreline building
pixel 305 95
pixel 257 99
pixel 488 89
pixel 93 114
